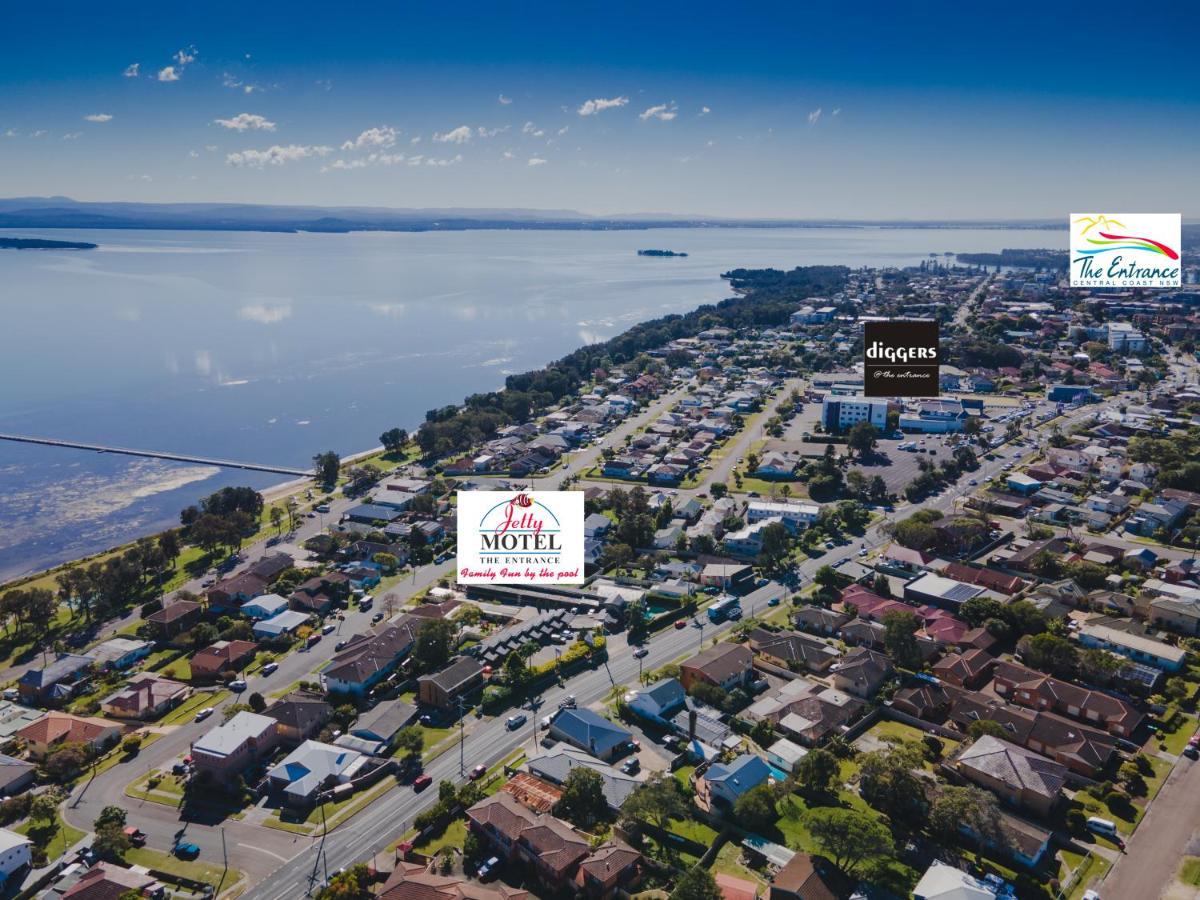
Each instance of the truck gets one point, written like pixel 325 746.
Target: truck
pixel 724 609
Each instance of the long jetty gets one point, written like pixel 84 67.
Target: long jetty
pixel 156 454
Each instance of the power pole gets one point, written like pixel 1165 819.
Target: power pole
pixel 462 732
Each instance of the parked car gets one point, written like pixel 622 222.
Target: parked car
pixel 515 722
pixel 488 868
pixel 1191 752
pixel 270 668
pixel 640 652
pixel 378 617
pixel 680 623
pixel 135 836
pixel 204 714
pixel 238 685
pixel 478 772
pixel 567 702
pixel 631 766
pixel 187 850
pixel 328 629
pixel 421 782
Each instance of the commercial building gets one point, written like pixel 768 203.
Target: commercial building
pixel 843 413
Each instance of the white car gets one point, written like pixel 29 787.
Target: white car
pixel 204 714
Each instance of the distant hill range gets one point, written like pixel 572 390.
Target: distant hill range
pixel 7 243
pixel 63 212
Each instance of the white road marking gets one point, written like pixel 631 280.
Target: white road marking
pixel 263 850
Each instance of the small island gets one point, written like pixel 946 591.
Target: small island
pixel 42 244
pixel 660 253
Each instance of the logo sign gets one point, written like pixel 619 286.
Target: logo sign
pixel 513 537
pixel 901 359
pixel 1125 250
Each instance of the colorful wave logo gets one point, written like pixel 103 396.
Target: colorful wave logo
pixel 1109 240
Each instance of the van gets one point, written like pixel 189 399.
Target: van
pixel 515 722
pixel 366 602
pixel 1101 826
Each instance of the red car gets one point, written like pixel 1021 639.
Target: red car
pixel 421 782
pixel 680 623
pixel 478 772
pixel 1194 740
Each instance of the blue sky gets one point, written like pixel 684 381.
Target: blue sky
pixel 788 110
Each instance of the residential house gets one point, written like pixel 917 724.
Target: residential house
pixel 946 882
pixel 286 622
pixel 791 650
pixel 785 755
pixel 590 732
pixel 16 853
pixel 659 702
pixel 727 576
pixel 264 606
pixel 231 748
pixel 456 681
pixel 925 700
pixel 175 618
pixel 104 881
pixel 722 784
pixel 57 682
pixel 221 656
pixel 298 715
pixel 809 877
pixel 861 672
pixel 726 666
pixel 1137 647
pixel 1018 776
pixel 968 669
pixel 311 768
pixel 556 765
pixel 119 652
pixel 818 620
pixel 145 697
pixel 230 593
pixel 374 731
pixel 369 658
pixel 54 729
pixel 1036 690
pixel 15 775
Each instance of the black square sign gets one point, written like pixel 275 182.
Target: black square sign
pixel 901 358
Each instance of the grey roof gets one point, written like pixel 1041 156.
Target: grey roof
pixel 746 772
pixel 590 731
pixel 383 720
pixel 313 763
pixel 1015 766
pixel 12 769
pixel 556 766
pixel 66 665
pixel 226 739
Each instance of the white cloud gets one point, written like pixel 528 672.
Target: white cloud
pixel 168 74
pixel 532 130
pixel 98 117
pixel 591 107
pixel 41 132
pixel 265 313
pixel 536 161
pixel 11 132
pixel 415 141
pixel 505 101
pixel 837 111
pixel 72 135
pixel 664 112
pixel 193 154
pixel 231 81
pixel 211 148
pixel 430 161
pixel 246 122
pixel 383 136
pixel 275 156
pixel 704 110
pixel 490 132
pixel 183 57
pixel 459 135
pixel 564 130
pixel 131 70
pixel 507 154
pixel 815 116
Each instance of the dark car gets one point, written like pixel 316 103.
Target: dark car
pixel 1191 752
pixel 187 850
pixel 478 772
pixel 421 782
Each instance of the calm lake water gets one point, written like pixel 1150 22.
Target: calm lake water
pixel 271 347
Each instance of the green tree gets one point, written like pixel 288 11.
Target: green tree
pixel 434 643
pixel 817 771
pixel 394 439
pixel 900 638
pixel 656 801
pixel 353 883
pixel 325 468
pixel 776 546
pixel 583 802
pixel 276 515
pixel 849 837
pixel 411 741
pixel 980 727
pixel 978 610
pixel 1049 653
pixel 696 883
pixel 862 439
pixel 888 781
pixel 110 842
pixel 755 809
pixel 956 808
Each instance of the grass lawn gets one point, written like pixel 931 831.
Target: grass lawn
pixel 1176 740
pixel 453 836
pixel 1189 872
pixel 727 862
pixel 64 836
pixel 1096 870
pixel 172 865
pixel 168 791
pixel 188 709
